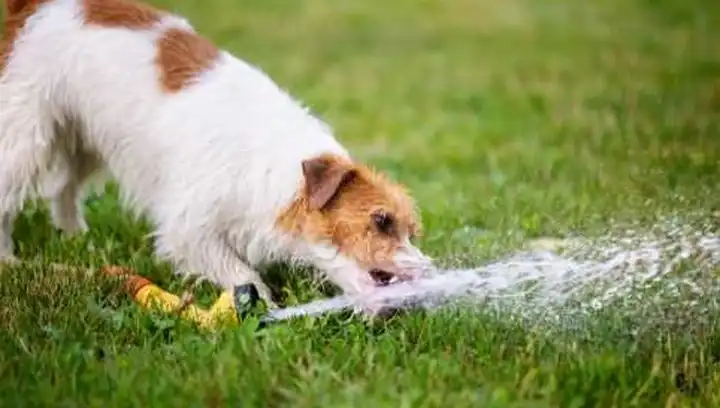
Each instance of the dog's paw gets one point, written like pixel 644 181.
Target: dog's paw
pixel 70 227
pixel 9 260
pixel 69 221
pixel 265 295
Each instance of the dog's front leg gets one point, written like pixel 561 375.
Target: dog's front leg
pixel 212 258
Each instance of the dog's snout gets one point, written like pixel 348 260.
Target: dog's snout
pixel 411 257
pixel 409 263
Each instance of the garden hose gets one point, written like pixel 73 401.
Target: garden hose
pixel 232 307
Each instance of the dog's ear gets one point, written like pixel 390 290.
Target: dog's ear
pixel 324 176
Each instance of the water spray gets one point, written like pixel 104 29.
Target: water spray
pixel 632 271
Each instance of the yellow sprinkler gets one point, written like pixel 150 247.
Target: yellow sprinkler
pixel 231 307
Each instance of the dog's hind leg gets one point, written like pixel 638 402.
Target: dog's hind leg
pixel 73 168
pixel 26 140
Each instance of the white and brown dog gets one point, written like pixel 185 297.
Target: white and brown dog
pixel 233 172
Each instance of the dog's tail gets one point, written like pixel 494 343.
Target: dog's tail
pixel 13 7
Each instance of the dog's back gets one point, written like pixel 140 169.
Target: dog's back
pixel 84 61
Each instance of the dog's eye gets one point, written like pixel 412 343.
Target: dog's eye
pixel 383 222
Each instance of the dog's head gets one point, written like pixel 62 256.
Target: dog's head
pixel 365 223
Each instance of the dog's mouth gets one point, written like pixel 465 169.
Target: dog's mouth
pixel 382 277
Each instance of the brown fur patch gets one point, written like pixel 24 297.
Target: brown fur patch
pixel 120 13
pixel 14 6
pixel 182 56
pixel 348 219
pixel 16 13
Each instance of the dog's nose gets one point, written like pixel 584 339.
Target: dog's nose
pixel 411 257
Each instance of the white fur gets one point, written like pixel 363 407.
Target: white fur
pixel 212 165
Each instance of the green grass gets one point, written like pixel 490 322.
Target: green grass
pixel 508 120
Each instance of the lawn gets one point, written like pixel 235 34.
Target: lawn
pixel 508 122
